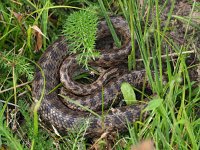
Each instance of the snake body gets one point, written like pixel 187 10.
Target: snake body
pixel 53 112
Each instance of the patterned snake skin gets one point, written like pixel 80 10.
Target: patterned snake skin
pixel 53 110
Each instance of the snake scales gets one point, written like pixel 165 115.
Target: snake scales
pixel 55 113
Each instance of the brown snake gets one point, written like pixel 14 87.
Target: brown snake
pixel 55 113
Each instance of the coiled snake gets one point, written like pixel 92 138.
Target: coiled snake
pixel 55 113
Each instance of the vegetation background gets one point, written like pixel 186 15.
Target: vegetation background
pixel 27 27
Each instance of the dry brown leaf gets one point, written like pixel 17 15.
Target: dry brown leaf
pixel 18 16
pixel 144 145
pixel 37 29
pixel 38 34
pixel 38 44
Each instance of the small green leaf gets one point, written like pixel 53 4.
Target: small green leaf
pixel 153 104
pixel 128 93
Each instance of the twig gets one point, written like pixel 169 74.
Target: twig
pixel 172 54
pixel 2 101
pixel 16 87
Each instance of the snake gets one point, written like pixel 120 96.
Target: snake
pixel 56 65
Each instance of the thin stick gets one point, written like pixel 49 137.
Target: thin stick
pixel 23 84
pixel 172 54
pixel 2 101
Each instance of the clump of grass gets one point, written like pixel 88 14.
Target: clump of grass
pixel 10 61
pixel 80 30
pixel 171 123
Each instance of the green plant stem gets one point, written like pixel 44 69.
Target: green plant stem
pixel 112 30
pixel 44 22
pixel 131 57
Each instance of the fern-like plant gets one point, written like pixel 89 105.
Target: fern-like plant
pixel 8 61
pixel 80 31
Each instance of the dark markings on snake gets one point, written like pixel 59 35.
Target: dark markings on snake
pixel 54 112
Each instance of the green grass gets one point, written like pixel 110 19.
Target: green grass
pixel 173 122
